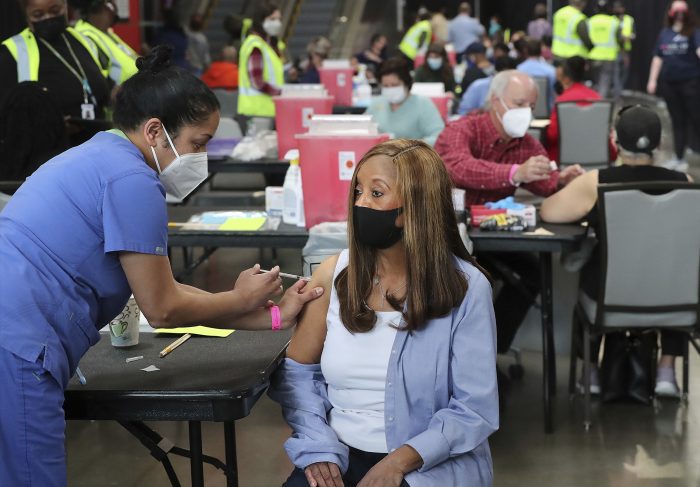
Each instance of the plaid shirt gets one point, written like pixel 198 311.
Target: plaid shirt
pixel 255 72
pixel 480 162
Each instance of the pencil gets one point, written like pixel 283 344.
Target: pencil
pixel 289 276
pixel 175 344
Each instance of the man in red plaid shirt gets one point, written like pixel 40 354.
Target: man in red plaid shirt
pixel 489 154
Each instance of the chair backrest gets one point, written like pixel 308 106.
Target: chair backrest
pixel 228 101
pixel 228 129
pixel 650 249
pixel 584 132
pixel 542 106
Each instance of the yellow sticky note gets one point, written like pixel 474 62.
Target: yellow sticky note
pixel 204 331
pixel 243 224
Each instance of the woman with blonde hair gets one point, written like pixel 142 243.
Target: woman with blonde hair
pixel 390 378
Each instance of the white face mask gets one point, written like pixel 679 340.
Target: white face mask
pixel 273 27
pixel 516 121
pixel 435 63
pixel 185 173
pixel 394 94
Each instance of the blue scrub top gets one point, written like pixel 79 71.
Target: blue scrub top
pixel 60 235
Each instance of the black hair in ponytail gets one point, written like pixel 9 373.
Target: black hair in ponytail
pixel 164 91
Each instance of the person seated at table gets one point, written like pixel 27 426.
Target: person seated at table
pixel 638 132
pixel 479 65
pixel 317 50
pixel 476 95
pixel 571 74
pixel 490 154
pixel 536 66
pixel 223 72
pixel 390 378
pixel 88 229
pixel 437 69
pixel 374 56
pixel 398 112
pixel 32 130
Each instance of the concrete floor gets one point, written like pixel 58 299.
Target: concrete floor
pixel 629 444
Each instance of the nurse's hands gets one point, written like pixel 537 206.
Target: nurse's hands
pixel 257 289
pixel 536 168
pixel 569 174
pixel 324 474
pixel 294 300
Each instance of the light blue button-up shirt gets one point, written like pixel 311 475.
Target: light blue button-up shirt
pixel 542 69
pixel 441 396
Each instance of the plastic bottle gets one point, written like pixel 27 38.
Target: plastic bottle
pixel 293 212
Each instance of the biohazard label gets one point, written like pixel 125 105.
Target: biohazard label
pixel 346 165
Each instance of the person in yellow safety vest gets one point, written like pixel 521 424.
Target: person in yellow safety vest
pixel 417 38
pixel 605 33
pixel 59 58
pixel 260 69
pixel 570 32
pixel 100 16
pixel 629 34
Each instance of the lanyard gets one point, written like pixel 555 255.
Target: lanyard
pixel 82 77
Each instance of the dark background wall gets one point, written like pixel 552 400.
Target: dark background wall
pixel 650 17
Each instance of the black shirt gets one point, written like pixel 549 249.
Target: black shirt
pixel 590 274
pixel 54 75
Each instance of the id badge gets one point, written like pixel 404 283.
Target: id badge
pixel 88 111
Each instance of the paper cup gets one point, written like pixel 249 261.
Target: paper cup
pixel 124 329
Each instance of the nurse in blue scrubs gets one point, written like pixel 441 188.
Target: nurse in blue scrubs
pixel 84 232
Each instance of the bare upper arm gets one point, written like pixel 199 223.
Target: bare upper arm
pixel 573 202
pixel 310 333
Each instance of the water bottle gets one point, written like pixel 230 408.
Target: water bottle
pixel 293 211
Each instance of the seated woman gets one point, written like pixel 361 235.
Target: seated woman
pixel 437 69
pixel 638 131
pixel 392 378
pixel 398 112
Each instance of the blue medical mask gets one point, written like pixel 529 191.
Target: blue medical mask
pixel 435 63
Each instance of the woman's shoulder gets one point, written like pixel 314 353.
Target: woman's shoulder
pixel 471 272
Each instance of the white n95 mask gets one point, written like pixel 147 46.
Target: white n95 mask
pixel 272 27
pixel 185 173
pixel 516 121
pixel 394 94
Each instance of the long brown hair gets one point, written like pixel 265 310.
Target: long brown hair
pixel 434 285
pixel 690 21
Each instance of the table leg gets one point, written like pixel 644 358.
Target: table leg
pixel 196 464
pixel 548 358
pixel 231 462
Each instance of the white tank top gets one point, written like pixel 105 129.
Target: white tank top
pixel 355 369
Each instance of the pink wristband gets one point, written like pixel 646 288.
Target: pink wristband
pixel 276 318
pixel 512 172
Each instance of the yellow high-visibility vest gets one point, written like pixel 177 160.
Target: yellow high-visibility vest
pixel 252 102
pixel 627 31
pixel 566 42
pixel 121 65
pixel 409 44
pixel 24 49
pixel 603 29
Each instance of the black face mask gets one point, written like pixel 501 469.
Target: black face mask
pixel 51 28
pixel 558 87
pixel 377 228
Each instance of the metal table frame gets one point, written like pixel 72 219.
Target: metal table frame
pixel 130 407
